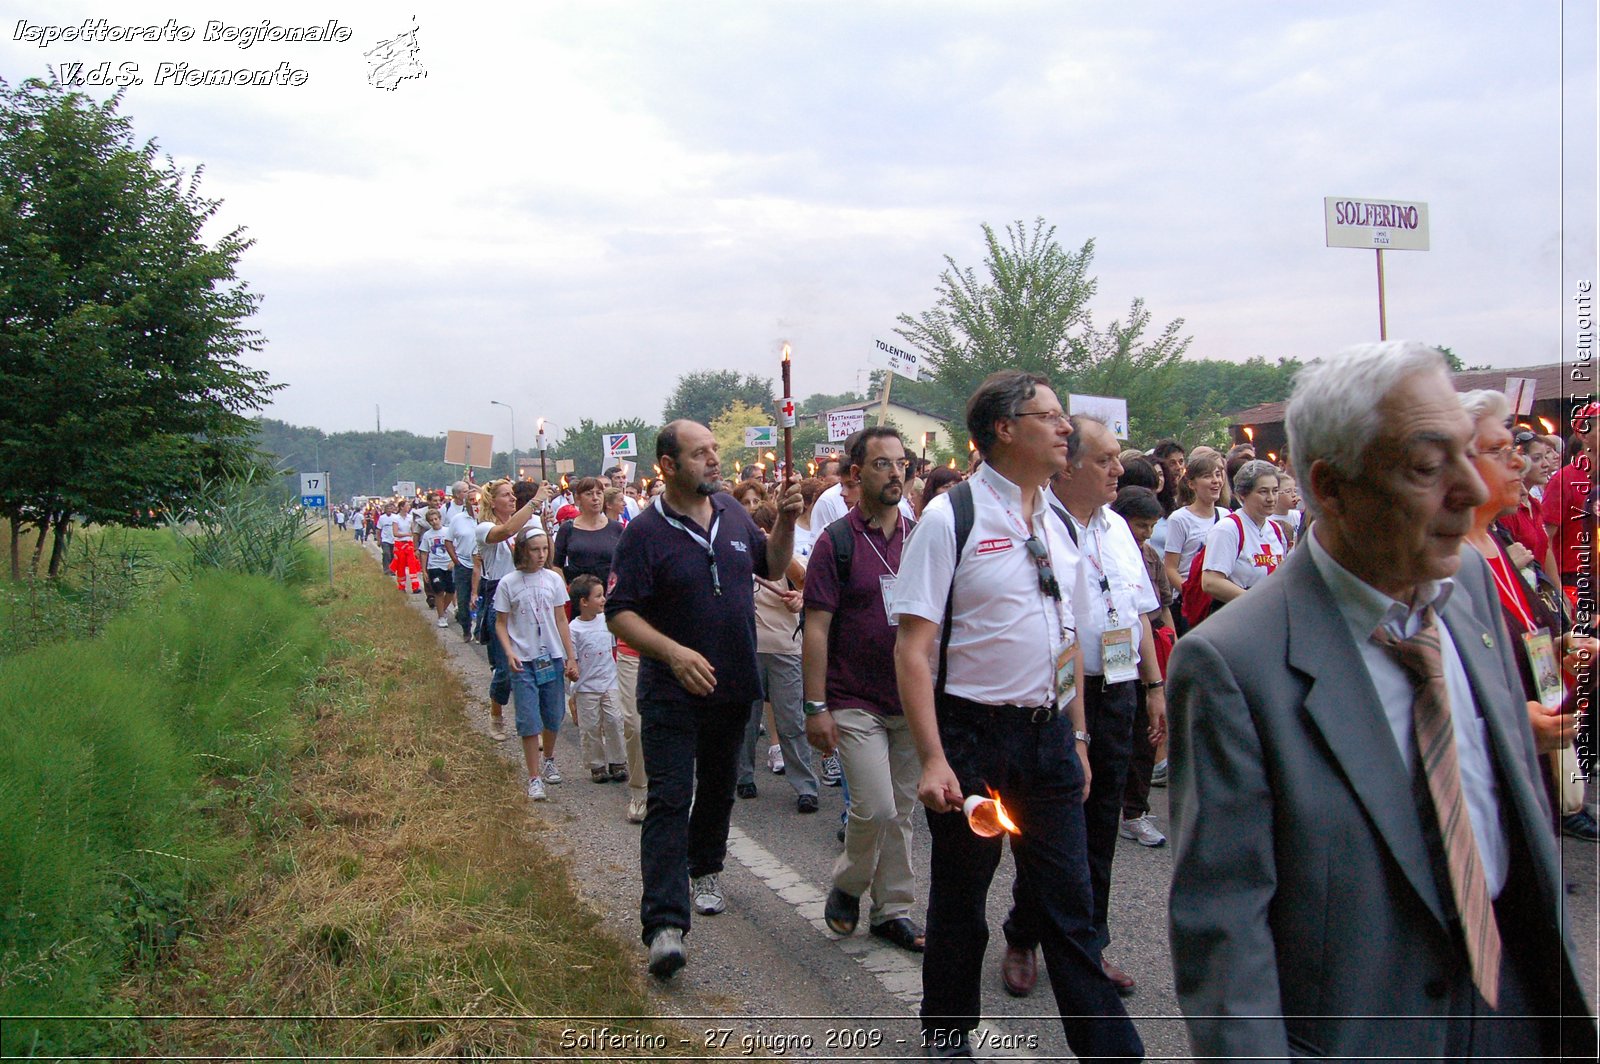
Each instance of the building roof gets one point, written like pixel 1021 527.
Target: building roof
pixel 1549 383
pixel 867 404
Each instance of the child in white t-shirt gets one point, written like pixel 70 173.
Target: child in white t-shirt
pixel 596 701
pixel 531 624
pixel 439 558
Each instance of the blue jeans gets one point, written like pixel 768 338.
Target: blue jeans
pixel 1035 770
pixel 464 601
pixel 690 753
pixel 500 676
pixel 780 678
pixel 539 705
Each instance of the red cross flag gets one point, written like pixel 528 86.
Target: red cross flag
pixel 786 413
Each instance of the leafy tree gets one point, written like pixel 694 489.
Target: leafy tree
pixel 703 394
pixel 121 329
pixel 584 443
pixel 820 401
pixel 727 428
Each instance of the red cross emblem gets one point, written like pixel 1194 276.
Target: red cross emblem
pixel 788 408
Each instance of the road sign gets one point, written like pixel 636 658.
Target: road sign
pixel 825 449
pixel 314 490
pixel 841 423
pixel 898 361
pixel 761 436
pixel 1391 225
pixel 621 445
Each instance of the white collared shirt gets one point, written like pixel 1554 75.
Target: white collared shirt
pixel 830 506
pixel 1364 608
pixel 1003 628
pixel 1107 543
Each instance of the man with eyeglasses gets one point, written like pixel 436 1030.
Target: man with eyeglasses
pixel 683 597
pixel 1002 715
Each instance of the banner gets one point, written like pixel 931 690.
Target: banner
pixel 621 445
pixel 898 361
pixel 761 436
pixel 842 423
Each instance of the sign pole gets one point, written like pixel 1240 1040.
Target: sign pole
pixel 327 518
pixel 1383 320
pixel 883 411
pixel 788 432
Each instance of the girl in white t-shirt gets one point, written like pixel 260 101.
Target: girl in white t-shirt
pixel 597 703
pixel 531 625
pixel 1188 526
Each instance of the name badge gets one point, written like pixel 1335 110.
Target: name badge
pixel 1541 653
pixel 1066 657
pixel 886 586
pixel 1116 655
pixel 544 670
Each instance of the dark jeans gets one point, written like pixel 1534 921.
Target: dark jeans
pixel 1108 715
pixel 1142 762
pixel 1035 770
pixel 690 755
pixel 500 677
pixel 464 601
pixel 387 550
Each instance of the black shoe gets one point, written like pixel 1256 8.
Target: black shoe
pixel 1581 825
pixel 903 933
pixel 745 790
pixel 806 803
pixel 618 773
pixel 841 912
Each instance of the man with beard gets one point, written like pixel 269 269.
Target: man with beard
pixel 852 707
pixel 684 599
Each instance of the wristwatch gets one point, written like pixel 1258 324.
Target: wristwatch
pixel 813 708
pixel 1081 736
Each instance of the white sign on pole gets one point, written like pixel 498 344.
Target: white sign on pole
pixel 1390 225
pixel 407 488
pixel 621 445
pixel 1113 411
pixel 841 423
pixel 788 413
pixel 899 361
pixel 314 490
pixel 825 449
pixel 1519 391
pixel 761 436
pixel 541 442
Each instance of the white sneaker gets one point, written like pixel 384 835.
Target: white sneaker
pixel 551 773
pixel 536 789
pixel 443 623
pixel 708 895
pixel 636 810
pixel 666 952
pixel 831 772
pixel 775 759
pixel 497 728
pixel 1143 831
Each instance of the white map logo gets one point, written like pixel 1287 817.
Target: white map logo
pixel 395 60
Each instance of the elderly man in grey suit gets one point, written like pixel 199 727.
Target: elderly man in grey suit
pixel 1365 867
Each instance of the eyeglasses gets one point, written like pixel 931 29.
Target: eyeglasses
pixel 883 465
pixel 1041 559
pixel 1506 454
pixel 1053 418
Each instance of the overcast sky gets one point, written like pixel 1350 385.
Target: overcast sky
pixel 582 201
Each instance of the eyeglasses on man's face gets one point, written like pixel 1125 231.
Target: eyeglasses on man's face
pixel 883 465
pixel 1053 418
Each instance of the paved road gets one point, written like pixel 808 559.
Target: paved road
pixel 769 976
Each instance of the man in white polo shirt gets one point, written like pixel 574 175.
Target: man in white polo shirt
pixel 1003 715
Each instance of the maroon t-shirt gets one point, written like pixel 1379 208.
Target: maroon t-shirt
pixel 861 639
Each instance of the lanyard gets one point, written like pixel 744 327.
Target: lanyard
pixel 1508 592
pixel 1099 567
pixel 893 571
pixel 711 554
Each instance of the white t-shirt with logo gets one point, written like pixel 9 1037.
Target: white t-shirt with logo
pixel 592 642
pixel 432 544
pixel 530 601
pixel 1261 554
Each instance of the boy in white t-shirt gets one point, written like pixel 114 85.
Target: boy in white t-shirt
pixel 597 704
pixel 531 624
pixel 440 561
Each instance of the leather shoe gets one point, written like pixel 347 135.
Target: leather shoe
pixel 1019 970
pixel 1120 979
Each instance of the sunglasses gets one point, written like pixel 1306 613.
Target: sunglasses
pixel 1041 560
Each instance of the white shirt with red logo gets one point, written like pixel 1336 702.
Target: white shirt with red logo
pixel 1247 566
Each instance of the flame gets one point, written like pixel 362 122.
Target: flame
pixel 1002 816
pixel 738 467
pixel 769 456
pixel 563 480
pixel 1549 429
pixel 657 468
pixel 971 447
pixel 811 468
pixel 1250 434
pixel 952 463
pixel 785 351
pixel 1272 455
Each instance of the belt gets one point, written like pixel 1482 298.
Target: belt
pixel 1003 713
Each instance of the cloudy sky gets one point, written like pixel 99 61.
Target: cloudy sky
pixel 582 201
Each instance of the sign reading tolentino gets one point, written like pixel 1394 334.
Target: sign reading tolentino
pixel 1390 225
pixel 898 360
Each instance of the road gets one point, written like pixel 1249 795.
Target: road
pixel 768 978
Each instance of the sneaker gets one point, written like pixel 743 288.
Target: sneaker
pixel 443 623
pixel 806 803
pixel 831 774
pixel 666 952
pixel 550 773
pixel 775 759
pixel 745 790
pixel 636 810
pixel 1158 775
pixel 617 773
pixel 1581 825
pixel 536 789
pixel 1143 831
pixel 707 895
pixel 497 727
pixel 599 775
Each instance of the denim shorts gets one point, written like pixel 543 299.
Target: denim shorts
pixel 540 706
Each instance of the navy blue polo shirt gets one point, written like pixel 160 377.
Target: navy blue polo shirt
pixel 663 575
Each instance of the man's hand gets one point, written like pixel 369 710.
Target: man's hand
pixel 822 733
pixel 1083 759
pixel 1578 651
pixel 793 601
pixel 790 504
pixel 1552 728
pixel 1155 704
pixel 516 666
pixel 939 789
pixel 692 671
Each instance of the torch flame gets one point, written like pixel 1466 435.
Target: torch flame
pixel 785 352
pixel 1002 816
pixel 1249 433
pixel 1548 428
pixel 952 463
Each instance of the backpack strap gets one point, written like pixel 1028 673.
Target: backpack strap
pixel 966 514
pixel 1066 519
pixel 844 548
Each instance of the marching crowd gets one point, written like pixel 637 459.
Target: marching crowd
pixel 1380 649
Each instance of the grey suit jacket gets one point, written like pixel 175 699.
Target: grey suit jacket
pixel 1305 914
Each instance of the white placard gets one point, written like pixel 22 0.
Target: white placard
pixel 407 488
pixel 1392 225
pixel 621 445
pixel 314 490
pixel 787 412
pixel 541 442
pixel 824 450
pixel 1111 410
pixel 761 436
pixel 898 360
pixel 1519 393
pixel 843 422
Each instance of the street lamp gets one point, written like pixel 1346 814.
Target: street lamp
pixel 374 475
pixel 496 402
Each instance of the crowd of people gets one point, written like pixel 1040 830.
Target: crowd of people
pixel 1380 644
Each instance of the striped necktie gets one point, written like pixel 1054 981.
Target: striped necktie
pixel 1436 746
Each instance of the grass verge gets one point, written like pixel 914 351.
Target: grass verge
pixel 401 887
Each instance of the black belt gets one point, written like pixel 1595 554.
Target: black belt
pixel 1004 713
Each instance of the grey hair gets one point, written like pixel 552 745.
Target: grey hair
pixel 1486 403
pixel 998 397
pixel 1333 415
pixel 459 487
pixel 1075 441
pixel 1250 474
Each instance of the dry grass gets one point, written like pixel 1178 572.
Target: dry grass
pixel 402 887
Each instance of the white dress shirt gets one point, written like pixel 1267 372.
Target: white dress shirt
pixel 1106 543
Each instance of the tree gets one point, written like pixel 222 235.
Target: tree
pixel 121 329
pixel 585 443
pixel 702 395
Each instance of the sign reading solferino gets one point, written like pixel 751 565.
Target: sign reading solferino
pixel 1388 224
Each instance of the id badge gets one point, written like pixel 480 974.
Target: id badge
pixel 544 670
pixel 886 586
pixel 1541 653
pixel 1116 655
pixel 1066 657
